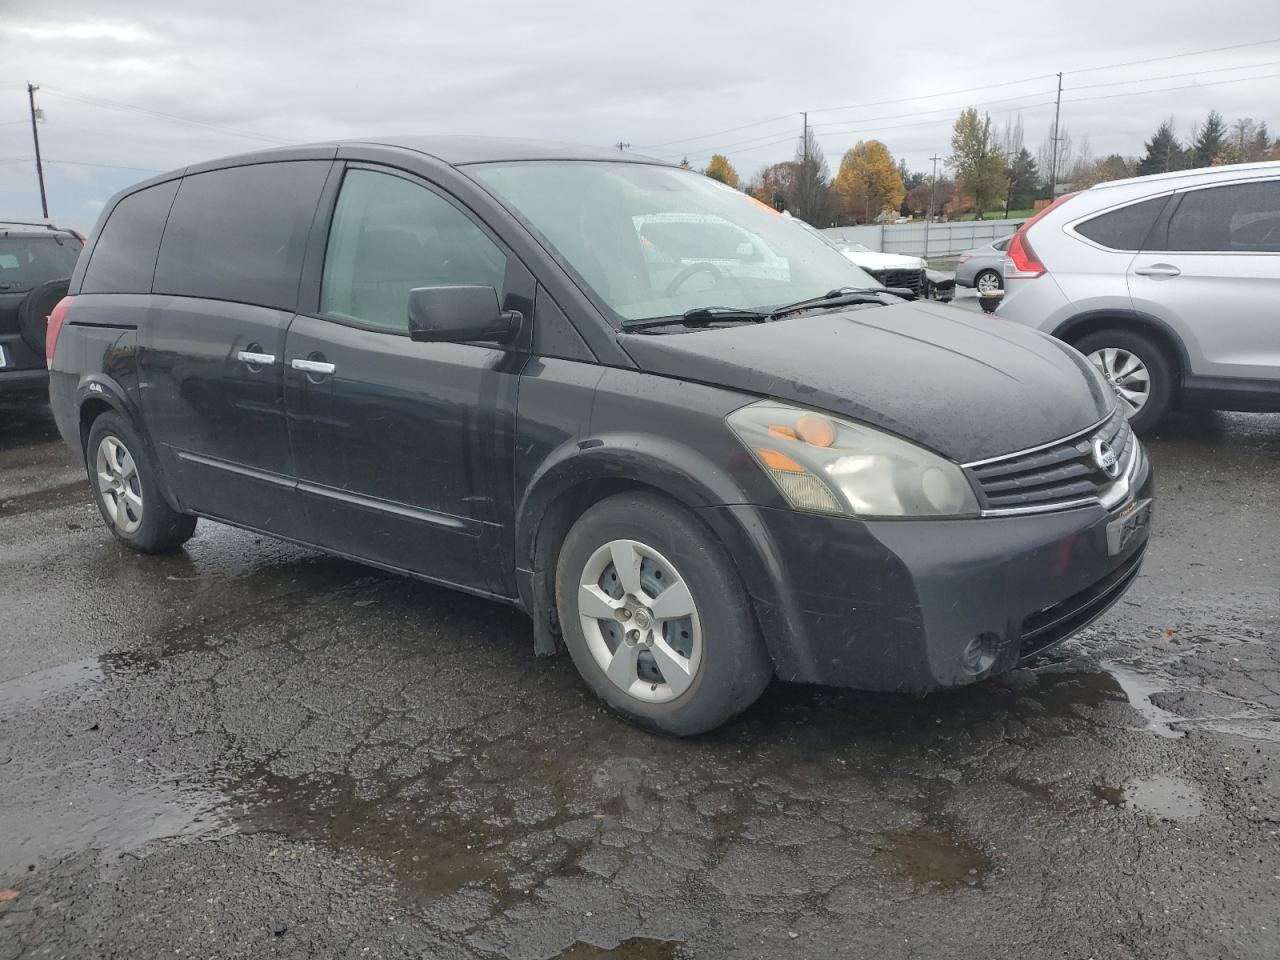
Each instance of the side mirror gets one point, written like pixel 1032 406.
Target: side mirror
pixel 458 314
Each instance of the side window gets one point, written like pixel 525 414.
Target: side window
pixel 124 257
pixel 390 235
pixel 1002 245
pixel 1126 228
pixel 239 234
pixel 1241 218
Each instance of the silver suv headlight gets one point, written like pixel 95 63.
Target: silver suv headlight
pixel 829 465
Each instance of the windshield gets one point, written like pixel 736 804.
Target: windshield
pixel 27 262
pixel 655 241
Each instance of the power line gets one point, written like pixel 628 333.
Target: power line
pixel 1185 86
pixel 703 136
pixel 1174 56
pixel 1176 76
pixel 932 96
pixel 117 105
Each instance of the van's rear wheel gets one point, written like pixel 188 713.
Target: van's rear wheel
pixel 1137 370
pixel 124 486
pixel 655 617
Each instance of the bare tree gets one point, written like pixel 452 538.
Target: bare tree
pixel 1044 156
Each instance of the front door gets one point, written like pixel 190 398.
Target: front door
pixel 1213 274
pixel 403 449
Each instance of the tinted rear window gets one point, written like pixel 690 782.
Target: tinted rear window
pixel 239 234
pixel 27 262
pixel 124 257
pixel 1241 218
pixel 1126 228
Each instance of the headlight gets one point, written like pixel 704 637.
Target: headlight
pixel 829 465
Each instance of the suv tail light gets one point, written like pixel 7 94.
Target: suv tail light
pixel 54 328
pixel 1021 256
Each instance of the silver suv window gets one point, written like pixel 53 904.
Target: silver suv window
pixel 1126 228
pixel 1237 218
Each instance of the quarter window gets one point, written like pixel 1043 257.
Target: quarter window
pixel 390 235
pixel 1126 228
pixel 1241 218
pixel 124 256
pixel 239 234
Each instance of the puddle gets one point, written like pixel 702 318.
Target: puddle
pixel 24 691
pixel 930 854
pixel 101 817
pixel 1166 797
pixel 75 492
pixel 637 948
pixel 1163 796
pixel 432 855
pixel 1139 689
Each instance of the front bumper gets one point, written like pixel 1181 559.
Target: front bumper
pixel 893 604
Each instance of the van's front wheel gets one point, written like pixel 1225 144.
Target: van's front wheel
pixel 655 617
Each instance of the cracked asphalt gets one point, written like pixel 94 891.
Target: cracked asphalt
pixel 247 749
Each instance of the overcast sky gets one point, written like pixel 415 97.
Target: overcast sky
pixel 656 74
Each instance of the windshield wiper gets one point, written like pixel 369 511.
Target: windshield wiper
pixel 701 317
pixel 843 297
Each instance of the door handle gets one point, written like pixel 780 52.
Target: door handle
pixel 1158 270
pixel 256 359
pixel 312 366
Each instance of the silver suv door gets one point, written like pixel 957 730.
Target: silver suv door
pixel 1211 271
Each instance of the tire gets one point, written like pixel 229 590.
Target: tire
pixel 146 522
pixel 718 645
pixel 34 310
pixel 1159 371
pixel 991 276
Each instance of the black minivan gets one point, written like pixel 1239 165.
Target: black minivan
pixel 694 442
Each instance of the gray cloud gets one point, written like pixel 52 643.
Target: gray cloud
pixel 647 73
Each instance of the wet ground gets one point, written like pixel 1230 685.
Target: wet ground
pixel 251 750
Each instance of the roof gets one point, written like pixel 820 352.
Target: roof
pixel 459 150
pixel 33 228
pixel 1224 172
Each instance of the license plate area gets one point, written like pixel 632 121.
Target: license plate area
pixel 1131 522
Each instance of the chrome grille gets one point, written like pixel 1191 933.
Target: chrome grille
pixel 1058 474
pixel 911 279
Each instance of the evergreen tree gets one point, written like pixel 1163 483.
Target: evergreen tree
pixel 1210 139
pixel 1164 152
pixel 1025 180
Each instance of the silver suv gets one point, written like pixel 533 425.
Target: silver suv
pixel 1170 284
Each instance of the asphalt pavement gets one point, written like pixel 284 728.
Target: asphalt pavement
pixel 248 749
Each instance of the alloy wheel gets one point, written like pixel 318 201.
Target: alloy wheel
pixel 1128 377
pixel 640 621
pixel 988 282
pixel 119 487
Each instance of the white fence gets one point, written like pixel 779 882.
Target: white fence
pixel 927 239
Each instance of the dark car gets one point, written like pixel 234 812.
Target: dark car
pixel 504 366
pixel 36 259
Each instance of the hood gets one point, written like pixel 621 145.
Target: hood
pixel 964 385
pixel 870 260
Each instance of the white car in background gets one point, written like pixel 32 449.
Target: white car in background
pixel 891 269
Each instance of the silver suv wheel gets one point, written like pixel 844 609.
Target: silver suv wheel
pixel 119 488
pixel 1128 377
pixel 639 620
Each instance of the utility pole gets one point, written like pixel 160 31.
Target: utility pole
pixel 1053 174
pixel 35 136
pixel 804 167
pixel 621 146
pixel 929 216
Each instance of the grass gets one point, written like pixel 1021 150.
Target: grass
pixel 995 215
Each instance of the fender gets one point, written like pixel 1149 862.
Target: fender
pixel 101 388
pixel 1136 318
pixel 678 470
